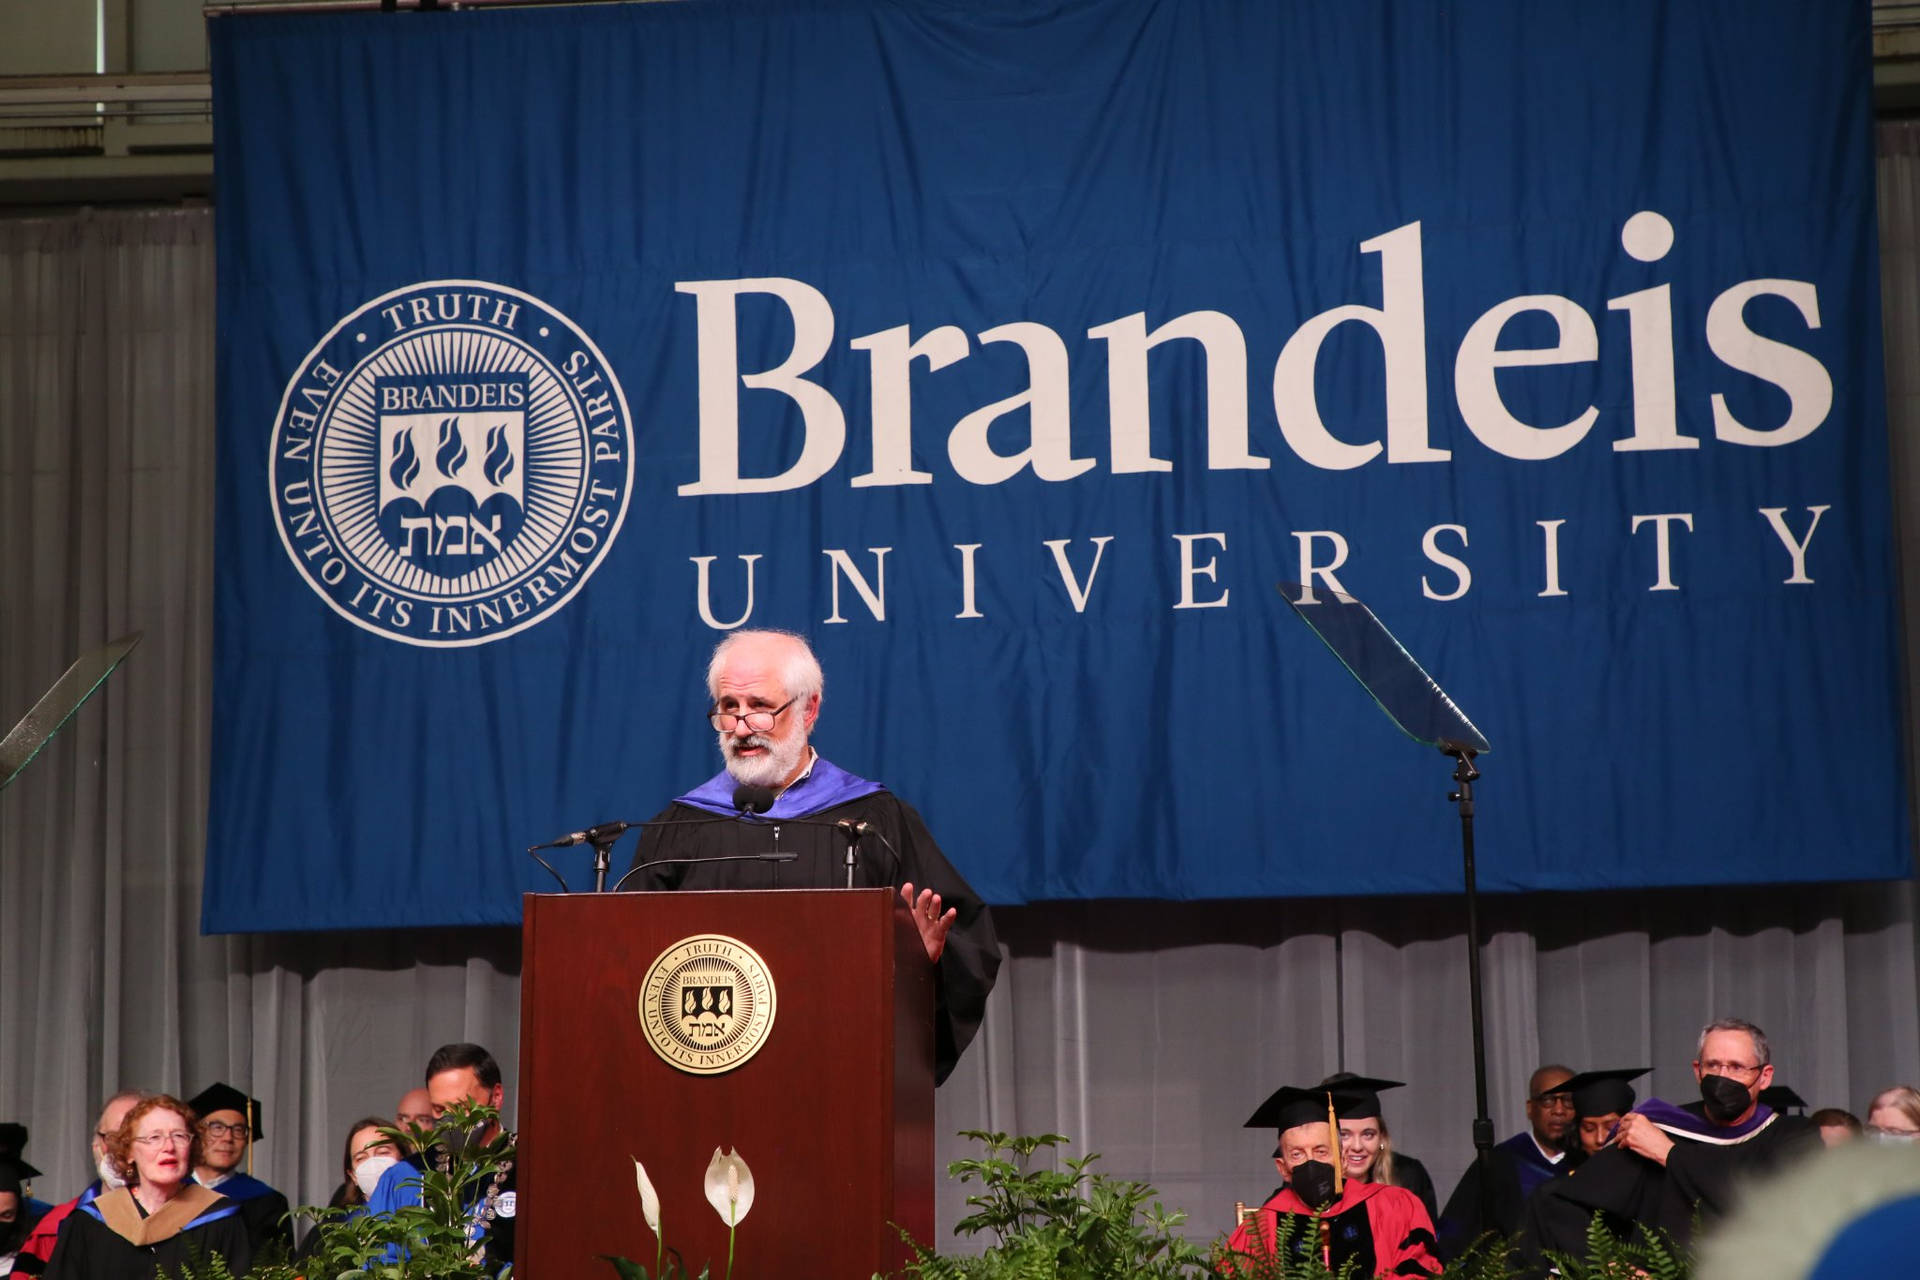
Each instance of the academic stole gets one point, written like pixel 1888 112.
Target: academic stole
pixel 119 1212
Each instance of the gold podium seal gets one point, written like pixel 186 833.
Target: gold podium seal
pixel 706 1004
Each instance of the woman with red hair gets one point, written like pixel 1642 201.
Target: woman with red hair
pixel 162 1217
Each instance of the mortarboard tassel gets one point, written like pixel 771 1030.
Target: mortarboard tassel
pixel 1339 1160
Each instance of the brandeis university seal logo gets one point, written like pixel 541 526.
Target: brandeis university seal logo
pixel 451 463
pixel 706 1004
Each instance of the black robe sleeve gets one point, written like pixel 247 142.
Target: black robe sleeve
pixel 267 1221
pixel 902 851
pixel 1472 1210
pixel 1413 1175
pixel 971 960
pixel 1701 1177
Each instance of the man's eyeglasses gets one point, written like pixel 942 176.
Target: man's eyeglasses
pixel 220 1129
pixel 1731 1070
pixel 175 1138
pixel 758 721
pixel 1552 1101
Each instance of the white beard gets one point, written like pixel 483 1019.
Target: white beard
pixel 769 770
pixel 110 1180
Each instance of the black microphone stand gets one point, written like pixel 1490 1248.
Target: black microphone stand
pixel 1464 776
pixel 603 859
pixel 853 849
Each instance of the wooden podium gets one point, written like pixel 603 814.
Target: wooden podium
pixel 833 1112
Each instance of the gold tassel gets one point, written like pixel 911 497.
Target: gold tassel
pixel 1339 1160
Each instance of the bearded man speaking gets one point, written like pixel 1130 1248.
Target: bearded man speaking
pixel 765 690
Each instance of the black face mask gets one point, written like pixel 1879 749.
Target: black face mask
pixel 1726 1100
pixel 1312 1181
pixel 455 1140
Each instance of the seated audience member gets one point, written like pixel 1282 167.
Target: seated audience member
pixel 1669 1165
pixel 1366 1147
pixel 1516 1168
pixel 369 1153
pixel 161 1218
pixel 13 1152
pixel 414 1112
pixel 1600 1098
pixel 14 1226
pixel 1381 1229
pixel 46 1232
pixel 229 1125
pixel 1837 1127
pixel 460 1073
pixel 1895 1115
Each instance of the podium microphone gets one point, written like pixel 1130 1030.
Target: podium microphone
pixel 600 833
pixel 752 801
pixel 602 836
pixel 749 798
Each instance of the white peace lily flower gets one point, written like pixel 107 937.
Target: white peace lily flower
pixel 729 1186
pixel 649 1198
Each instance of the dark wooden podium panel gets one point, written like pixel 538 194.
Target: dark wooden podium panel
pixel 834 1114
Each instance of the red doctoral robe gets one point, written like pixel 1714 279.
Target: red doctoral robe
pixel 1386 1228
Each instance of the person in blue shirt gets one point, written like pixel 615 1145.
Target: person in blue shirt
pixel 460 1073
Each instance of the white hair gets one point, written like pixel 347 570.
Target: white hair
pixel 800 675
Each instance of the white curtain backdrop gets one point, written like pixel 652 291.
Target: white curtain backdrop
pixel 1144 1031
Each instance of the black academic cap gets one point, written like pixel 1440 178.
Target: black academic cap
pixel 1781 1096
pixel 10 1179
pixel 224 1097
pixel 1603 1093
pixel 1357 1097
pixel 1291 1105
pixel 13 1141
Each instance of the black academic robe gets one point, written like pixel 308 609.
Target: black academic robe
pixel 1516 1169
pixel 967 968
pixel 1699 1177
pixel 91 1250
pixel 263 1209
pixel 1411 1174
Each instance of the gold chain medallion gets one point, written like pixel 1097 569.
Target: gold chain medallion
pixel 706 1004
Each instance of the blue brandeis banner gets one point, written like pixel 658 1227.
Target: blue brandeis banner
pixel 1014 352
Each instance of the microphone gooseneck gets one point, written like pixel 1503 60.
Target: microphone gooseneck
pixel 695 862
